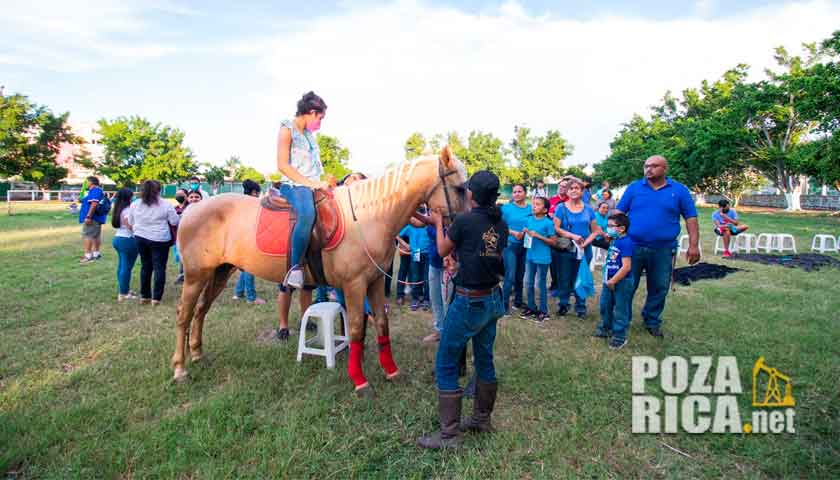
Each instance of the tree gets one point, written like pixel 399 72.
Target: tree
pixel 723 135
pixel 136 150
pixel 215 176
pixel 415 145
pixel 232 165
pixel 483 152
pixel 732 184
pixel 334 157
pixel 30 139
pixel 248 173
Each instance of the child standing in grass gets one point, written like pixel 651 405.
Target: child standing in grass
pixel 617 292
pixel 420 249
pixel 539 234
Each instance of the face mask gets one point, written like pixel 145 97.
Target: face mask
pixel 194 186
pixel 180 198
pixel 314 125
pixel 613 232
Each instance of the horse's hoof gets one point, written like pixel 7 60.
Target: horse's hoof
pixel 196 357
pixel 365 391
pixel 180 376
pixel 392 376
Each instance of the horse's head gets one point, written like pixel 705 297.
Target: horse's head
pixel 449 195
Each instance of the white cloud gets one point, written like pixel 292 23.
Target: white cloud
pixel 386 71
pixel 82 35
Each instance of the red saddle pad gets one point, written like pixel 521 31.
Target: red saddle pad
pixel 273 232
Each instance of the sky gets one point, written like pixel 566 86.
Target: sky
pixel 227 73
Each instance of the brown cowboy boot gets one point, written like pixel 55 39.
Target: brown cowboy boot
pixel 449 409
pixel 485 399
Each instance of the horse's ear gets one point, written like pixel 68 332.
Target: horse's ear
pixel 446 157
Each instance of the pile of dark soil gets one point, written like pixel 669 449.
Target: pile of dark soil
pixel 806 261
pixel 702 271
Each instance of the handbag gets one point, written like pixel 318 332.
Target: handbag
pixel 562 243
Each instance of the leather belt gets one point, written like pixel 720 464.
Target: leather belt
pixel 474 293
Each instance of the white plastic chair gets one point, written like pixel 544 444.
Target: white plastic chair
pixel 324 314
pixel 785 243
pixel 764 242
pixel 824 243
pixel 745 242
pixel 599 257
pixel 683 248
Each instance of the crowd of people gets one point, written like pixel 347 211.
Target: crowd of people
pixel 466 274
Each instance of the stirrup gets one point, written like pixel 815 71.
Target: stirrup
pixel 294 278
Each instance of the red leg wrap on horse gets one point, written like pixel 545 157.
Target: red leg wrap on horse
pixel 385 357
pixel 354 366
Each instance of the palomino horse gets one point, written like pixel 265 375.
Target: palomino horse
pixel 217 235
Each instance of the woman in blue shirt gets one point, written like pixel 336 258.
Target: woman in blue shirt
pixel 576 221
pixel 516 215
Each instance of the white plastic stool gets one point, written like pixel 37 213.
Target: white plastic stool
pixel 325 313
pixel 746 242
pixel 599 257
pixel 824 243
pixel 784 242
pixel 684 245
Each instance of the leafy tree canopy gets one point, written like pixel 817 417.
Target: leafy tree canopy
pixel 136 150
pixel 30 139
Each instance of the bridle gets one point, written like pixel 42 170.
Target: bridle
pixel 442 174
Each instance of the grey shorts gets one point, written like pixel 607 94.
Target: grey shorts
pixel 94 230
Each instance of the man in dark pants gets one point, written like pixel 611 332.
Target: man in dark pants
pixel 478 238
pixel 654 205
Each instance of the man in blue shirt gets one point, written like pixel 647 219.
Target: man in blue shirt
pixel 91 222
pixel 654 205
pixel 727 225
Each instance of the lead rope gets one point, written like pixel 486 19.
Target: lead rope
pixel 364 245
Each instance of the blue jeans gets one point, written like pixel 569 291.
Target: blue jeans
pixel 616 307
pixel 245 286
pixel 126 248
pixel 436 295
pixel 321 294
pixel 514 257
pixel 657 264
pixel 420 273
pixel 403 274
pixel 468 318
pixel 539 271
pixel 568 271
pixel 304 205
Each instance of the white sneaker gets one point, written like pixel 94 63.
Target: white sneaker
pixel 294 278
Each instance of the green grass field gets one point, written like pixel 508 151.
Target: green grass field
pixel 85 387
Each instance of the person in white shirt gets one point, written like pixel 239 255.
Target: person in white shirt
pixel 150 219
pixel 124 242
pixel 539 190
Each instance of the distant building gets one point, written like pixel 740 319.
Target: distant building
pixel 92 145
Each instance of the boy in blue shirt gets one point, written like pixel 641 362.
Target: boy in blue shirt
pixel 727 225
pixel 420 245
pixel 617 292
pixel 539 234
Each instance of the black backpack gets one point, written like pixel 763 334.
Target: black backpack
pixel 104 206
